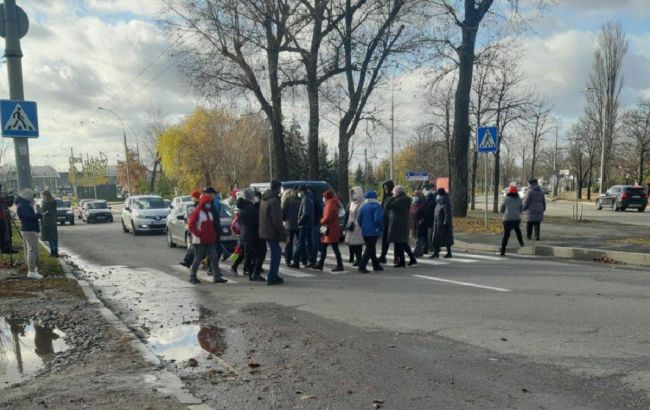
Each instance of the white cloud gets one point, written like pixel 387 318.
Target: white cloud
pixel 140 7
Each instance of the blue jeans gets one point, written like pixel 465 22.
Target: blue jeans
pixel 54 247
pixel 276 255
pixel 305 245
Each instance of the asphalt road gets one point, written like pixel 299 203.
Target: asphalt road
pixel 588 211
pixel 476 331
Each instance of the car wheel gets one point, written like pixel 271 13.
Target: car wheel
pixel 614 207
pixel 170 241
pixel 623 209
pixel 642 209
pixel 599 205
pixel 61 223
pixel 124 228
pixel 72 221
pixel 135 231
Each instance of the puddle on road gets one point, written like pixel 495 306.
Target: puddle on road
pixel 181 343
pixel 25 348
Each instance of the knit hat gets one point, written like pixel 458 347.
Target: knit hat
pixel 532 181
pixel 249 194
pixel 512 189
pixel 329 194
pixel 276 185
pixel 27 194
pixel 195 194
pixel 371 195
pixel 398 190
pixel 209 190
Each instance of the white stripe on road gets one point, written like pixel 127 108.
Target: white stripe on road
pixel 454 282
pixel 486 257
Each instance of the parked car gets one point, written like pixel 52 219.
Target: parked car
pixel 144 213
pixel 179 200
pixel 316 187
pixel 177 232
pixel 64 212
pixel 96 211
pixel 80 207
pixel 621 197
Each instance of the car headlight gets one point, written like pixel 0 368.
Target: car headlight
pixel 69 211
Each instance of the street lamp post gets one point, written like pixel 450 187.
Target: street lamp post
pixel 126 150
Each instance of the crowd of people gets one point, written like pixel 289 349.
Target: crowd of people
pixel 309 226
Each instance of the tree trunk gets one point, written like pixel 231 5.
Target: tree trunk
pixel 589 184
pixel 458 177
pixel 474 169
pixel 153 175
pixel 641 160
pixel 280 169
pixel 344 155
pixel 495 188
pixel 312 139
pixel 532 163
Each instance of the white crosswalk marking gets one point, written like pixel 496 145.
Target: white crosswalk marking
pixel 455 282
pixel 485 257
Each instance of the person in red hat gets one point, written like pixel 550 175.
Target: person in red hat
pixel 204 239
pixel 511 208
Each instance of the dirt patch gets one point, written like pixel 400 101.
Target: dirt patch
pixel 98 368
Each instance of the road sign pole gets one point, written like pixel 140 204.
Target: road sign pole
pixel 485 189
pixel 14 55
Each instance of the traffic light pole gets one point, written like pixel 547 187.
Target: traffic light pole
pixel 14 55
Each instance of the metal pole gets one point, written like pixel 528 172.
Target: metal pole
pixel 485 190
pixel 602 153
pixel 392 135
pixel 126 150
pixel 270 161
pixel 14 54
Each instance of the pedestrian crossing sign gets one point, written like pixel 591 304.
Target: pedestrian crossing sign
pixel 487 139
pixel 19 118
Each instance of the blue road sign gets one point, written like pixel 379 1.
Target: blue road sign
pixel 19 118
pixel 417 176
pixel 487 139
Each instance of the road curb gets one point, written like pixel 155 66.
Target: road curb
pixel 628 258
pixel 163 380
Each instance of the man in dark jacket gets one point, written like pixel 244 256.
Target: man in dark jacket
pixel 315 230
pixel 29 226
pixel 249 225
pixel 388 194
pixel 290 210
pixel 398 228
pixel 443 227
pixel 305 227
pixel 430 196
pixel 272 230
pixel 534 206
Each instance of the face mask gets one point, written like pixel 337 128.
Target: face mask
pixel 354 197
pixel 426 192
pixel 416 199
pixel 208 206
pixel 300 194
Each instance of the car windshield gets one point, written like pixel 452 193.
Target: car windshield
pixel 226 212
pixel 186 198
pixel 149 202
pixel 60 203
pixel 97 205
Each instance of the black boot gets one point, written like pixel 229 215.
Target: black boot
pixel 412 261
pixel 339 268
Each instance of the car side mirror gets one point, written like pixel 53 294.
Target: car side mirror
pixel 181 217
pixel 126 208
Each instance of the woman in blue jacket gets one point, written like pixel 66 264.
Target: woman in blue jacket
pixel 370 218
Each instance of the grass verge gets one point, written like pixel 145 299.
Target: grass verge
pixel 47 265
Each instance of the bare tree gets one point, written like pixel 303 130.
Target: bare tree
pixel 440 101
pixel 467 16
pixel 536 125
pixel 156 126
pixel 236 46
pixel 636 126
pixel 604 88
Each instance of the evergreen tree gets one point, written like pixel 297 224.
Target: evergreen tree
pixel 359 178
pixel 296 152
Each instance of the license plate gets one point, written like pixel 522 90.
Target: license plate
pixel 636 197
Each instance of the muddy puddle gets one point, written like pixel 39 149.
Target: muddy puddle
pixel 25 348
pixel 184 342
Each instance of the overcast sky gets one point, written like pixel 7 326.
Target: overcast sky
pixel 82 54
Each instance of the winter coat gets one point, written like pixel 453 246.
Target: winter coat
pixel 306 218
pixel 201 224
pixel 443 229
pixel 28 217
pixel 398 226
pixel 430 201
pixel 535 204
pixel 249 222
pixel 370 217
pixel 290 211
pixel 354 236
pixel 271 227
pixel 388 186
pixel 49 230
pixel 331 221
pixel 512 207
pixel 418 218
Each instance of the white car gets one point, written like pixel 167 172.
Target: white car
pixel 183 199
pixel 144 213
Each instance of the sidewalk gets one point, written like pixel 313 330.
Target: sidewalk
pixel 59 350
pixel 562 237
